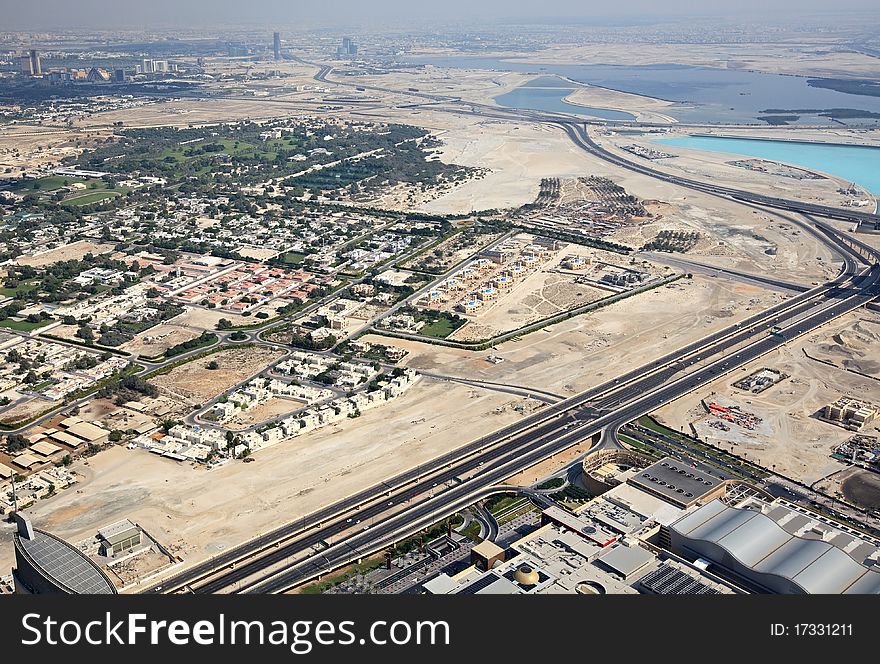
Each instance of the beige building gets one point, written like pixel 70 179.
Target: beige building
pixel 850 413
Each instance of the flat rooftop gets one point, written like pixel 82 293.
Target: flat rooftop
pixel 676 482
pixel 119 531
pixel 87 431
pixel 45 448
pixel 626 560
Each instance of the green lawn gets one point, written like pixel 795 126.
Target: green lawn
pixel 294 258
pixel 22 325
pixel 439 329
pixel 652 424
pixel 343 575
pixel 88 199
pixel 53 182
pixel 267 150
pixel 472 532
pixel 502 503
pixel 23 287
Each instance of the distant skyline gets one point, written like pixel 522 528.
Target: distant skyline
pixel 193 14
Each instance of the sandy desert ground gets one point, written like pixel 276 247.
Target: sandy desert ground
pixel 159 338
pixel 204 512
pixel 790 438
pixel 193 383
pixel 72 251
pixel 574 355
pixel 207 511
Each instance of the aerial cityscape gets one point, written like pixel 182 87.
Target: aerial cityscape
pixel 349 301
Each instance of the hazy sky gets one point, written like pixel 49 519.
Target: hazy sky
pixel 37 14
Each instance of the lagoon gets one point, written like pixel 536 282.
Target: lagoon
pixel 702 95
pixel 552 100
pixel 855 163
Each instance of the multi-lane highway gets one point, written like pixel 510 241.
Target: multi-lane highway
pixel 551 415
pixel 631 401
pixel 381 515
pixel 554 429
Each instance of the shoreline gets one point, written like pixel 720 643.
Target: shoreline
pixel 827 174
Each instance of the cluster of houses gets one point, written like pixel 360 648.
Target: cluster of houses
pixel 52 359
pixel 195 443
pixel 380 249
pixel 625 278
pixel 493 273
pixel 245 286
pixel 39 485
pixel 390 353
pixel 107 309
pixel 260 390
pixel 66 382
pixel 308 366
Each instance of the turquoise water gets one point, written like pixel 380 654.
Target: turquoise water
pixel 859 164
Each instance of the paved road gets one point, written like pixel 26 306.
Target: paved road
pixel 535 437
pixel 842 300
pixel 735 275
pixel 625 403
pixel 548 420
pixel 763 320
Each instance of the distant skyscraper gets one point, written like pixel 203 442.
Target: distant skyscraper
pixel 276 43
pixel 147 66
pixel 31 65
pixel 36 65
pixel 348 48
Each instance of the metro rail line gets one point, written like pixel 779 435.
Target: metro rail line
pixel 646 396
pixel 554 428
pixel 392 487
pixel 559 434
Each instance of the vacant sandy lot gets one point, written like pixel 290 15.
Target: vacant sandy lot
pixel 257 253
pixel 518 155
pixel 24 148
pixel 853 347
pixel 273 408
pixel 72 251
pixel 646 109
pixel 204 512
pixel 193 383
pixel 790 438
pixel 540 295
pixel 206 319
pixel 574 355
pixel 26 409
pixel 159 338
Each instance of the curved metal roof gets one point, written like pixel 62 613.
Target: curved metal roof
pixel 66 565
pixel 760 544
